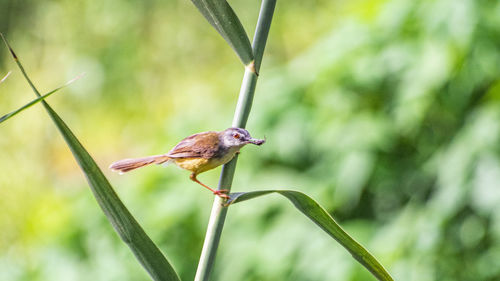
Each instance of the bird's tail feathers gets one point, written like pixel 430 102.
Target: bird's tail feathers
pixel 126 165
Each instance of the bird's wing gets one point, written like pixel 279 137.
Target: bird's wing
pixel 202 145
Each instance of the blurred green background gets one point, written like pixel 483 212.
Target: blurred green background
pixel 386 112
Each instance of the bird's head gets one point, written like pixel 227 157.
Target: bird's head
pixel 237 137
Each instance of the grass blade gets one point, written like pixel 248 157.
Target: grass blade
pixel 129 230
pixel 31 103
pixel 3 79
pixel 222 17
pixel 321 218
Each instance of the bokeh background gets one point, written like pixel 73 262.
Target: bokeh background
pixel 387 112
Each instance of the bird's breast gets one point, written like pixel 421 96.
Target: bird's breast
pixel 200 165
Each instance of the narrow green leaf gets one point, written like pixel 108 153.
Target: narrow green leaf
pixel 28 105
pixel 123 222
pixel 320 217
pixel 5 77
pixel 222 17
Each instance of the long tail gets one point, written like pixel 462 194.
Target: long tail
pixel 126 165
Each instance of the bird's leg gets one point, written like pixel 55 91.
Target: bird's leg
pixel 221 193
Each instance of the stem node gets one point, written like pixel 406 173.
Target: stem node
pixel 251 68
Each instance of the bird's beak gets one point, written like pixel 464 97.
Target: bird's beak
pixel 256 141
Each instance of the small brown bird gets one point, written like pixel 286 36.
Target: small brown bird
pixel 197 153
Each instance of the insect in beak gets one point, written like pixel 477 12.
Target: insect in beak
pixel 256 141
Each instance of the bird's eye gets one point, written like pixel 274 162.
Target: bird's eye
pixel 236 136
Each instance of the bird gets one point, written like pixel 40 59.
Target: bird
pixel 197 153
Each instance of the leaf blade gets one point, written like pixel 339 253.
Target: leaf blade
pixel 33 102
pixel 5 77
pixel 222 17
pixel 325 221
pixel 129 230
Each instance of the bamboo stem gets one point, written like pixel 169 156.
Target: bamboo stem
pixel 243 107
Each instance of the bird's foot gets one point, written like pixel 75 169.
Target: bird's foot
pixel 222 193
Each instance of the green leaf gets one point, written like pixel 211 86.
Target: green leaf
pixel 320 217
pixel 28 105
pixel 222 17
pixel 5 77
pixel 123 222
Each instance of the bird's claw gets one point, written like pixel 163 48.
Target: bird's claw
pixel 222 193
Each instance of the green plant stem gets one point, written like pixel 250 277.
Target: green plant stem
pixel 218 214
